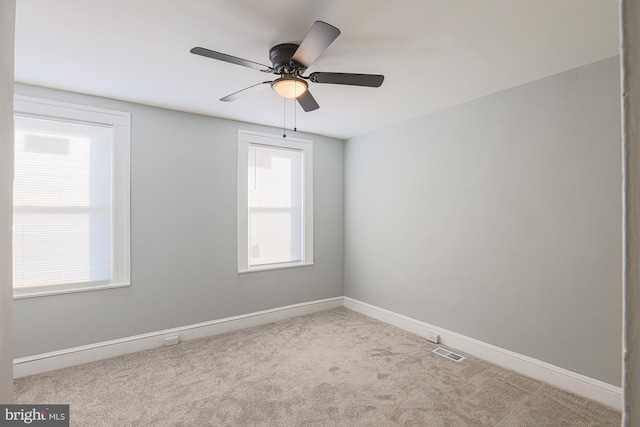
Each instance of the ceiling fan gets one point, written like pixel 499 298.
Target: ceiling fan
pixel 290 61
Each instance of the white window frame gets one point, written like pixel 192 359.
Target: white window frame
pixel 245 140
pixel 120 122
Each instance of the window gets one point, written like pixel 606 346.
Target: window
pixel 70 198
pixel 275 202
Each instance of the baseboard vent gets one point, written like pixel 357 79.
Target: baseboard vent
pixel 448 354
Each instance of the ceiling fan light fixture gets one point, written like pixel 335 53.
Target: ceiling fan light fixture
pixel 289 87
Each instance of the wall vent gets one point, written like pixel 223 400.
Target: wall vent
pixel 448 354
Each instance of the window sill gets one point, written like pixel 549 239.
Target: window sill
pixel 275 267
pixel 44 291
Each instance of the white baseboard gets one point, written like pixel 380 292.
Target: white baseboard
pixel 579 384
pixel 562 378
pixel 88 353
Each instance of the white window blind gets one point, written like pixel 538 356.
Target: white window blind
pixel 275 205
pixel 67 218
pixel 62 203
pixel 275 217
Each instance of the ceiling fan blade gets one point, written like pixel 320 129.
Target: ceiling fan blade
pixel 370 80
pixel 307 102
pixel 241 93
pixel 319 37
pixel 228 58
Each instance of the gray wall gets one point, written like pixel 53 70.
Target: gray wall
pixel 183 236
pixel 499 219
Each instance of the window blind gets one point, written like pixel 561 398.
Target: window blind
pixel 275 205
pixel 62 202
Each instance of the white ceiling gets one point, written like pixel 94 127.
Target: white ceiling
pixel 433 53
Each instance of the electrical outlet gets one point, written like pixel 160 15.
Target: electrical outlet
pixel 172 340
pixel 432 336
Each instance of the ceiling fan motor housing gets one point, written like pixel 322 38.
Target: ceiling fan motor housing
pixel 280 56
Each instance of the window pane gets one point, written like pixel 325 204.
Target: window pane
pixel 62 202
pixel 271 238
pixel 275 205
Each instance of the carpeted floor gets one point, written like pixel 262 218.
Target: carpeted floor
pixel 333 368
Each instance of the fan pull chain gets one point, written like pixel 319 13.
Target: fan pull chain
pixel 295 110
pixel 295 115
pixel 284 117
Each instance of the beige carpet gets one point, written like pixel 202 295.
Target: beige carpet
pixel 333 368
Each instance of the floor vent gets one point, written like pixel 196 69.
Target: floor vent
pixel 446 353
